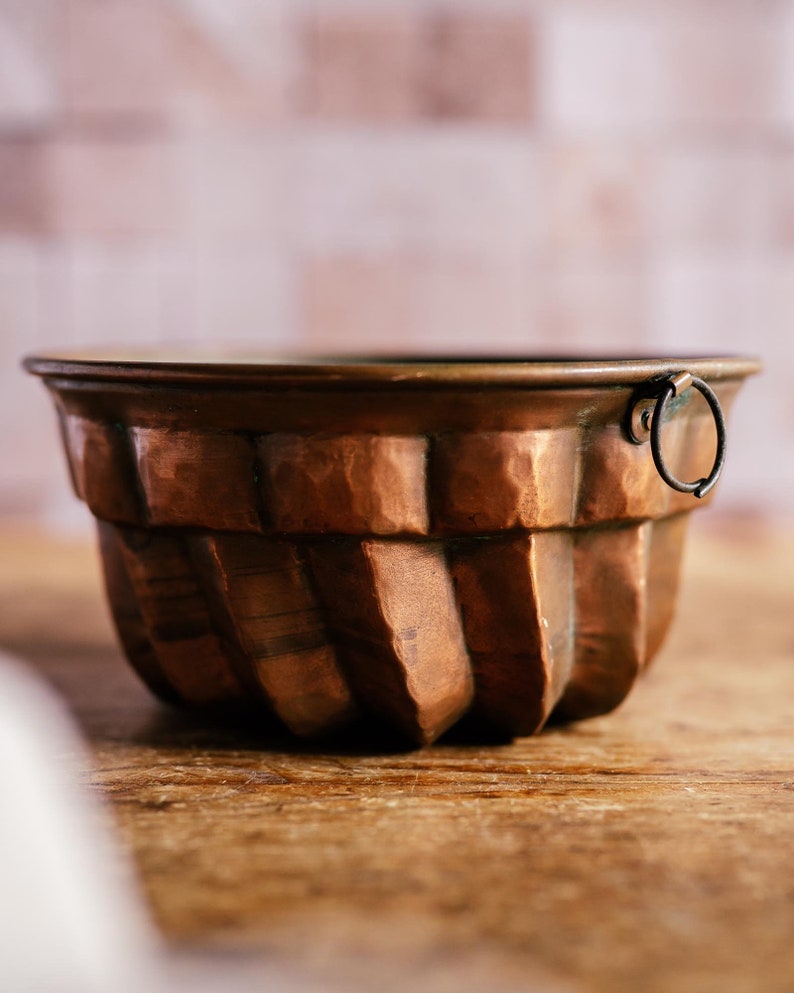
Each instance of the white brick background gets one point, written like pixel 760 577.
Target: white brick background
pixel 608 176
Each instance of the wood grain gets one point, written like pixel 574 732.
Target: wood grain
pixel 649 850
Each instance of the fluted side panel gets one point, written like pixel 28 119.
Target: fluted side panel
pixel 392 610
pixel 175 612
pixel 516 603
pixel 261 589
pixel 362 484
pixel 195 479
pixel 130 625
pixel 102 469
pixel 610 594
pixel 499 480
pixel 619 480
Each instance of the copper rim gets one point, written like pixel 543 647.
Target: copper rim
pixel 360 372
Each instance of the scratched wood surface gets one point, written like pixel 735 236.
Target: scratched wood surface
pixel 649 850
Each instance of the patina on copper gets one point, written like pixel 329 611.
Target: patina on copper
pixel 410 540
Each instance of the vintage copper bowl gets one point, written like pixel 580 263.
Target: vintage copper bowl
pixel 409 540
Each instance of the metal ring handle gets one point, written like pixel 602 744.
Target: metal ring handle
pixel 676 384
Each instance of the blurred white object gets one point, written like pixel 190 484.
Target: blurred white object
pixel 70 919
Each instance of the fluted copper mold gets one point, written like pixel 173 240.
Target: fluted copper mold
pixel 409 540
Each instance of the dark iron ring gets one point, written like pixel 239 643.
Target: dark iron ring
pixel 701 486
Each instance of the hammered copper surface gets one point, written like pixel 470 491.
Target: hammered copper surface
pixel 409 542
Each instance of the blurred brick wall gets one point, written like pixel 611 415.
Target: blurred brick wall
pixel 612 175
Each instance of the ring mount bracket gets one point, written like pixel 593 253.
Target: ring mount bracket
pixel 645 416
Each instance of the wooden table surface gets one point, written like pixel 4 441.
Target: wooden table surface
pixel 644 851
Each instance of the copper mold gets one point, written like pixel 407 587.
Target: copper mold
pixel 412 541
